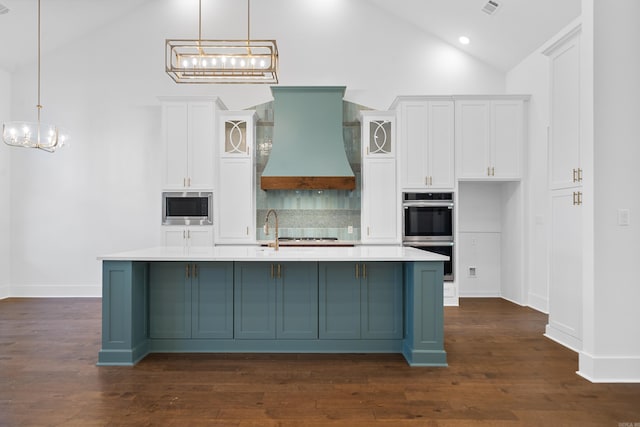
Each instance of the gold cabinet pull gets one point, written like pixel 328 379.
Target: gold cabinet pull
pixel 187 270
pixel 431 180
pixel 272 267
pixel 364 271
pixel 493 171
pixel 577 198
pixel 488 170
pixel 357 271
pixel 579 174
pixel 195 270
pixel 368 230
pixel 247 231
pixel 184 234
pixel 184 182
pixel 426 180
pixel 574 174
pixel 279 271
pixel 188 234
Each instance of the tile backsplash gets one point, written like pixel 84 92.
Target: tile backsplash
pixel 310 213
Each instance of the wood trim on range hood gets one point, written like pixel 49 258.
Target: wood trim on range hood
pixel 308 182
pixel 308 150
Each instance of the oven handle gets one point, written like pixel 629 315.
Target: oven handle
pixel 427 204
pixel 427 244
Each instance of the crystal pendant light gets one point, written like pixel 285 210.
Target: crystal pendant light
pixel 38 135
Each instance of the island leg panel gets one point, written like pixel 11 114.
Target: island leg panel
pixel 124 312
pixel 424 314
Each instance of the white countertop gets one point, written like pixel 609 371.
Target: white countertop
pixel 258 253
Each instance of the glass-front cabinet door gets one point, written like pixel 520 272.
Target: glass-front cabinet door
pixel 237 134
pixel 378 134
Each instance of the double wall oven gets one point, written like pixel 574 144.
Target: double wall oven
pixel 428 224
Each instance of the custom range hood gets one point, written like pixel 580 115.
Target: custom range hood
pixel 308 145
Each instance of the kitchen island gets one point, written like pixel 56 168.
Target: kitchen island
pixel 234 299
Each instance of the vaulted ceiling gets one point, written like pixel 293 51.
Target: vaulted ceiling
pixel 501 39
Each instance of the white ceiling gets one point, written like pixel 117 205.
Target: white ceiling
pixel 501 40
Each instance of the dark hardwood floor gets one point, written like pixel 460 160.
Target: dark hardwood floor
pixel 502 372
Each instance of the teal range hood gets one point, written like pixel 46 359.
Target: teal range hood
pixel 308 145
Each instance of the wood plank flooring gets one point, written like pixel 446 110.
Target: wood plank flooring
pixel 502 372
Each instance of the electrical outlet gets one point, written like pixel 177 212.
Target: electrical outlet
pixel 472 271
pixel 350 229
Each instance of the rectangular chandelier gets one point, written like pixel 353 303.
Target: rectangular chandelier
pixel 222 61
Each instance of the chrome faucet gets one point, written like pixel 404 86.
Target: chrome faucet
pixel 266 229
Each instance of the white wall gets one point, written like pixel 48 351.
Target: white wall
pixel 611 348
pixel 5 274
pixel 102 193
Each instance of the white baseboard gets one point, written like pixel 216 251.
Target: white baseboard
pixel 479 294
pixel 4 291
pixel 539 303
pixel 609 369
pixel 55 291
pixel 563 338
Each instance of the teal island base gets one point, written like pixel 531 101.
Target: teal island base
pixel 283 307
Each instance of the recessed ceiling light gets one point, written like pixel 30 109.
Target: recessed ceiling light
pixel 464 40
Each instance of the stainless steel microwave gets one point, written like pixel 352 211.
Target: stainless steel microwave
pixel 187 208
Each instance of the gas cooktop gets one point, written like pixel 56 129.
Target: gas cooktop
pixel 312 241
pixel 307 239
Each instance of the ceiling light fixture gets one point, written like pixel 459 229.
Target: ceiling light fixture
pixel 45 137
pixel 464 40
pixel 222 61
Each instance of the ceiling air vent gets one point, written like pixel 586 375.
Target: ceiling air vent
pixel 491 7
pixel 3 9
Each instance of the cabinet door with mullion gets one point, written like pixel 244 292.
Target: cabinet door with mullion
pixel 169 300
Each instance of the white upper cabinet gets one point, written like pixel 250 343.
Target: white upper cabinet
pixel 489 138
pixel 234 206
pixel 565 168
pixel 188 139
pixel 426 135
pixel 379 193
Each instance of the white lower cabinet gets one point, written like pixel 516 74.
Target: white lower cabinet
pixel 187 236
pixel 565 269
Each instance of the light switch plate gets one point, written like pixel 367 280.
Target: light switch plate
pixel 624 217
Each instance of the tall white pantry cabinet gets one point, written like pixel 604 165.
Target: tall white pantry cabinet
pixel 188 134
pixel 235 212
pixel 565 194
pixel 379 185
